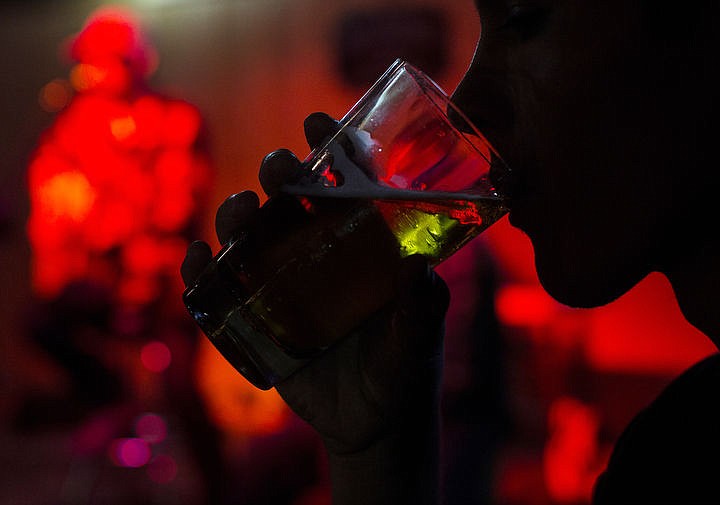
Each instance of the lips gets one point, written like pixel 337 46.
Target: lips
pixel 513 183
pixel 522 201
pixel 515 217
pixel 501 177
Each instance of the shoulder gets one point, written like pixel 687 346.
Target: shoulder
pixel 670 453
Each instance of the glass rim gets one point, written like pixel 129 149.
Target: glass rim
pixel 434 92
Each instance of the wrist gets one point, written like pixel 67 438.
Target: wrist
pixel 401 466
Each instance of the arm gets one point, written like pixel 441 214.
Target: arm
pixel 373 398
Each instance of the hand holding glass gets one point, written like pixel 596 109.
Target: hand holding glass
pixel 406 173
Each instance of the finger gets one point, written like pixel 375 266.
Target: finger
pixel 196 259
pixel 318 127
pixel 233 214
pixel 278 168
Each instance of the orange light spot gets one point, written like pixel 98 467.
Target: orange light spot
pixel 122 127
pixel 55 95
pixel 67 194
pixel 85 76
pixel 233 403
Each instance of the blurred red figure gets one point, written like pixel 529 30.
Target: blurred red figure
pixel 119 171
pixel 116 186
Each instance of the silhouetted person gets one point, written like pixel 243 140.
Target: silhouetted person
pixel 604 110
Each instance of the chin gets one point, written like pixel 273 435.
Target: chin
pixel 577 294
pixel 585 285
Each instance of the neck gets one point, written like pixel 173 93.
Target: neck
pixel 696 282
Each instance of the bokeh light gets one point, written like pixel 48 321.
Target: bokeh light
pixel 233 404
pixel 156 356
pixel 55 95
pixel 162 469
pixel 67 194
pixel 130 452
pixel 120 168
pixel 151 428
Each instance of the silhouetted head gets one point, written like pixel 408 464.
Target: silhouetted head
pixel 604 110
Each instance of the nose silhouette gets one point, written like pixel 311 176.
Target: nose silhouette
pixel 459 120
pixel 484 95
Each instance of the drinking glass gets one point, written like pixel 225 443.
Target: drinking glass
pixel 406 173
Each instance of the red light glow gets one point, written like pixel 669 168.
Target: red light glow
pixel 156 356
pixel 182 124
pixel 331 178
pixel 572 459
pixel 525 306
pixel 119 170
pixel 113 34
pixel 428 156
pixel 645 332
